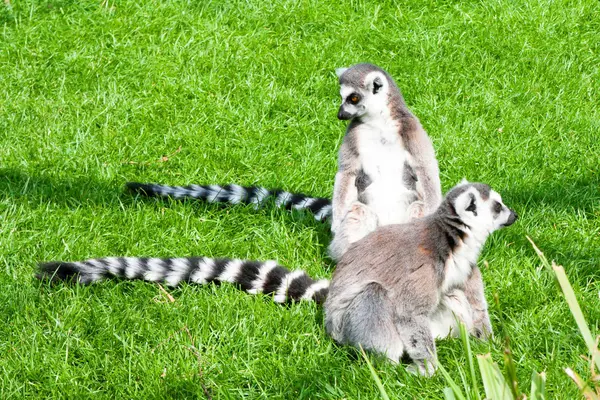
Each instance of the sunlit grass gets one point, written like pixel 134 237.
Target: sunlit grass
pixel 96 93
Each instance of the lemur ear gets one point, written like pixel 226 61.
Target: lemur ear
pixel 340 71
pixel 465 202
pixel 464 181
pixel 472 204
pixel 377 85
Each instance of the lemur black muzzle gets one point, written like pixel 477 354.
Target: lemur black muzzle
pixel 344 115
pixel 511 218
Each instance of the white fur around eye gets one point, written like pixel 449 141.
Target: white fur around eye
pixel 346 91
pixel 496 196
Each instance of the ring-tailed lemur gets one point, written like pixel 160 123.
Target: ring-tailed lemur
pixel 387 173
pixel 386 161
pixel 261 277
pixel 395 290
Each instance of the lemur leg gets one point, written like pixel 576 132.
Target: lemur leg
pixel 454 308
pixel 415 333
pixel 369 321
pixel 358 222
pixel 416 210
pixel 482 326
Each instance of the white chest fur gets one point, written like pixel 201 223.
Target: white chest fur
pixel 458 266
pixel 382 157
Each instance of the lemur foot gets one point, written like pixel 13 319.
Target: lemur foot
pixel 416 210
pixel 482 326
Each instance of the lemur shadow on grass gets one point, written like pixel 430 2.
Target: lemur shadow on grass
pixel 300 218
pixel 561 195
pixel 564 197
pixel 581 195
pixel 72 192
pixel 76 192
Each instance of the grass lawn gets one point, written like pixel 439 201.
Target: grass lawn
pixel 96 93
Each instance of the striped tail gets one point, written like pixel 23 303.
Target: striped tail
pixel 252 276
pixel 235 194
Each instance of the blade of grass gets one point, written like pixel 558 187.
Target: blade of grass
pixel 453 386
pixel 586 391
pixel 449 394
pixel 464 335
pixel 541 255
pixel 538 386
pixel 382 391
pixel 571 299
pixel 511 370
pixel 576 311
pixel 494 383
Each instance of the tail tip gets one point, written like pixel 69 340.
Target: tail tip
pixel 139 188
pixel 56 271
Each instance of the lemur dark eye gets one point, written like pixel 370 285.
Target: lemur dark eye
pixel 354 98
pixel 497 207
pixel 473 205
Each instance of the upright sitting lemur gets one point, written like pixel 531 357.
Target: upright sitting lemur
pixel 384 145
pixel 386 162
pixel 387 174
pixel 387 170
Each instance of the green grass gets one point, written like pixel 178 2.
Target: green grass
pixel 508 92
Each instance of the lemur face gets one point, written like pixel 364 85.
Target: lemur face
pixel 362 94
pixel 481 208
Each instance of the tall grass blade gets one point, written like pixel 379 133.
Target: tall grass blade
pixel 538 386
pixel 541 255
pixel 449 394
pixel 453 385
pixel 464 335
pixel 576 311
pixel 586 390
pixel 494 383
pixel 382 391
pixel 582 325
pixel 511 371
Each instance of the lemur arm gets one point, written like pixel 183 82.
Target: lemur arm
pixel 424 163
pixel 344 194
pixel 479 307
pixel 344 187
